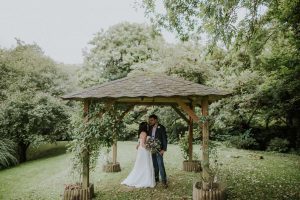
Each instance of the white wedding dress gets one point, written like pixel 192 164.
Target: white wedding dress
pixel 142 174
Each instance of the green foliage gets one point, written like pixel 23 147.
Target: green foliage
pixel 7 153
pixel 28 69
pixel 115 50
pixel 243 141
pixel 260 64
pixel 279 145
pixel 30 118
pixel 184 59
pixel 100 129
pixel 29 109
pixel 184 145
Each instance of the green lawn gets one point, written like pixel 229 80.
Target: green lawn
pixel 277 176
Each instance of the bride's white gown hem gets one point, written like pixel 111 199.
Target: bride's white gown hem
pixel 142 174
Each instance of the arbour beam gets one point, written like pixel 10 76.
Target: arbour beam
pixel 180 113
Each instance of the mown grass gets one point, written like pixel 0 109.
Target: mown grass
pixel 277 176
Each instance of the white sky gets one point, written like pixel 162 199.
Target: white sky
pixel 62 28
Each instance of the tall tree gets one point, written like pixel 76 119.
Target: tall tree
pixel 115 50
pixel 260 40
pixel 30 111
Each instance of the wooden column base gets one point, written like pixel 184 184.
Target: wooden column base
pixel 76 191
pixel 192 166
pixel 110 167
pixel 216 193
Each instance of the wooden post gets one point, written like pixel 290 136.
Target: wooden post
pixel 85 153
pixel 114 147
pixel 191 137
pixel 205 138
pixel 115 138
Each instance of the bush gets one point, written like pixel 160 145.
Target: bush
pixel 184 145
pixel 279 145
pixel 7 153
pixel 244 141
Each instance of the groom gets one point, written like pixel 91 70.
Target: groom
pixel 158 131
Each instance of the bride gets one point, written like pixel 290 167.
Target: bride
pixel 142 174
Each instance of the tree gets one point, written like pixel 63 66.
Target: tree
pixel 114 51
pixel 29 109
pixel 256 55
pixel 185 59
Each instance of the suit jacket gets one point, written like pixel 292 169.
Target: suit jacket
pixel 161 135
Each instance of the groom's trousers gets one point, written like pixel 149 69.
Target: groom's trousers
pixel 159 167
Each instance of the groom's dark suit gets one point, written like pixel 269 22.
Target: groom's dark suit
pixel 157 158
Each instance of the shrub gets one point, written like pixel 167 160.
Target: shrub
pixel 184 145
pixel 244 141
pixel 7 153
pixel 279 145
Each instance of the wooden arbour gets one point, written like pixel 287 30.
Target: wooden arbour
pixel 154 89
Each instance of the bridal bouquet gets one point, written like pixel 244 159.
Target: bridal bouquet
pixel 152 145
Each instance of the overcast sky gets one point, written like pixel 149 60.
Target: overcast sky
pixel 62 28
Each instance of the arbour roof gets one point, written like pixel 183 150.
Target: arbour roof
pixel 148 86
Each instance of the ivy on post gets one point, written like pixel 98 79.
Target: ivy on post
pixel 191 135
pixel 114 147
pixel 85 152
pixel 205 138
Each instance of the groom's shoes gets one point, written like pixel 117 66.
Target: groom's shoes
pixel 165 185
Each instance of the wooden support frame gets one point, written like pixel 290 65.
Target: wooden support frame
pixel 191 136
pixel 85 152
pixel 151 100
pixel 188 110
pixel 187 107
pixel 205 132
pixel 205 139
pixel 180 113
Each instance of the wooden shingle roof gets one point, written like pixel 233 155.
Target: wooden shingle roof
pixel 147 86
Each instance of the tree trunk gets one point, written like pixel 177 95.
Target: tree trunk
pixel 22 149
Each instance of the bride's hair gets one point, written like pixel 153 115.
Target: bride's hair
pixel 143 127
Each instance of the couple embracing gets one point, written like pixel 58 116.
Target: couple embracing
pixel 148 164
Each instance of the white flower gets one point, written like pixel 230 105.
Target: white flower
pixel 158 127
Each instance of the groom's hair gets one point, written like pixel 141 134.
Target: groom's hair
pixel 153 116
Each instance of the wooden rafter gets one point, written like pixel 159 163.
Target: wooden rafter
pixel 150 100
pixel 188 110
pixel 180 113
